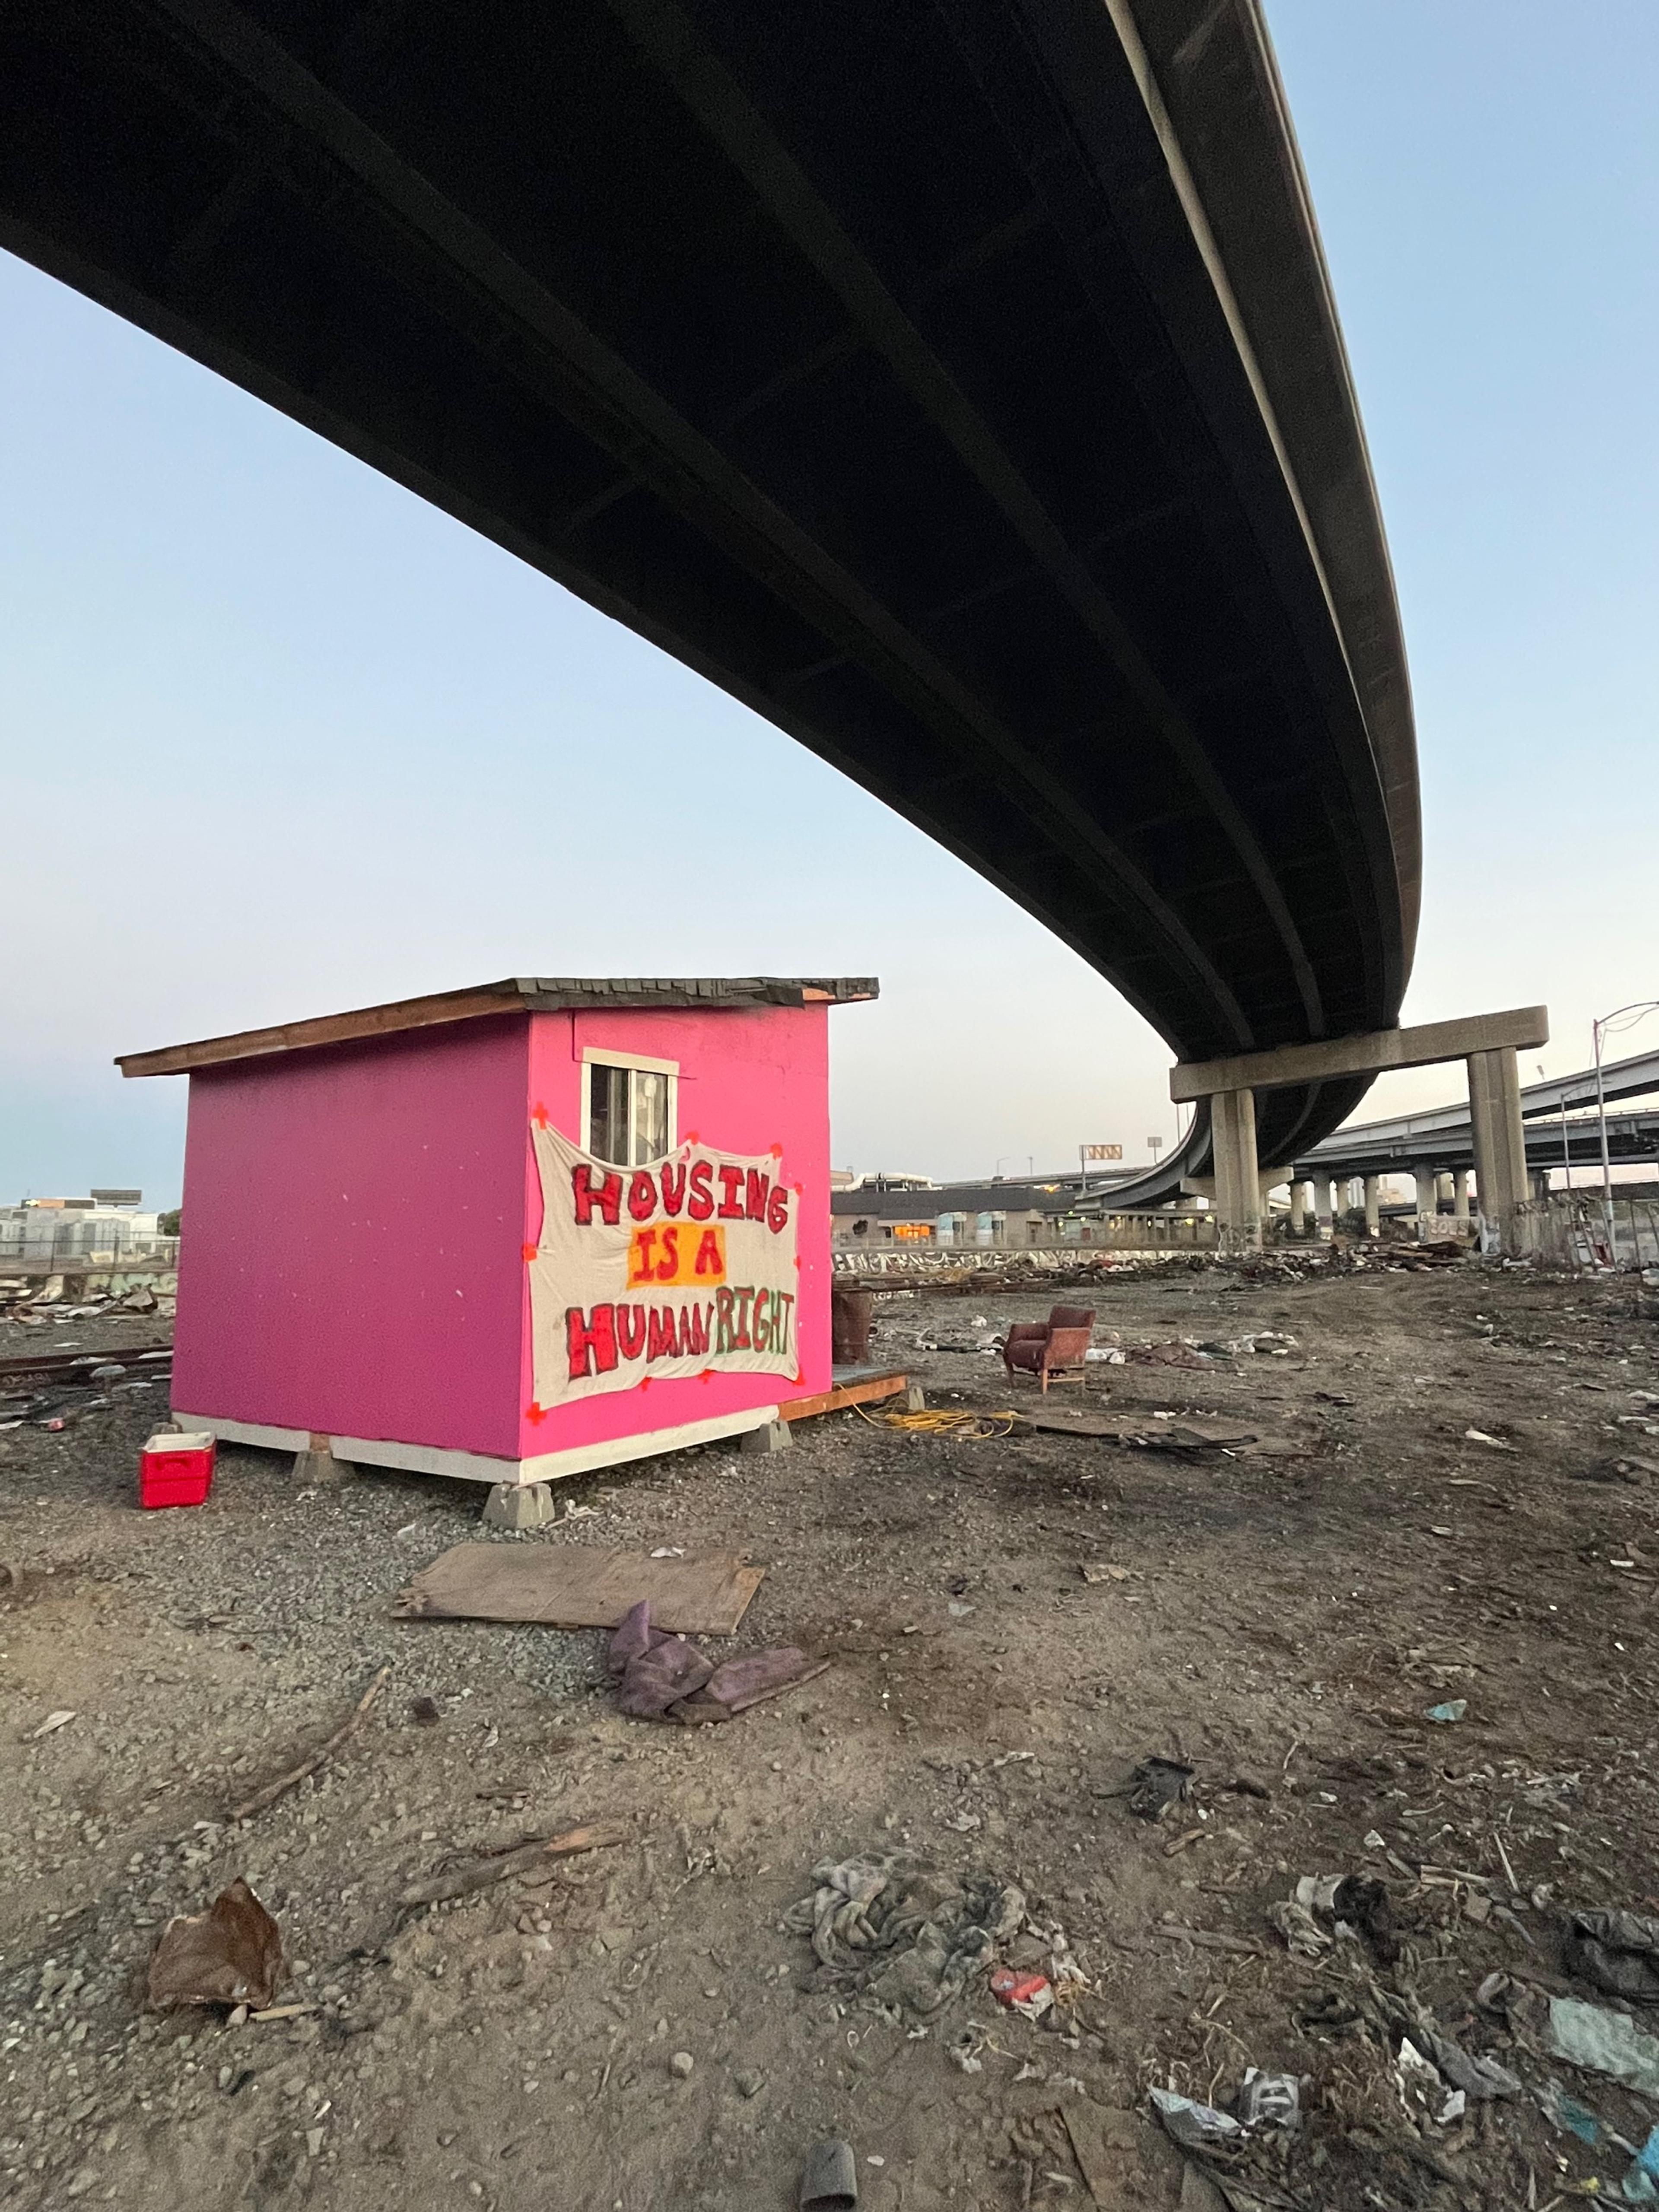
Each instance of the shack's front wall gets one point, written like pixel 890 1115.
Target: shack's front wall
pixel 351 1262
pixel 748 1081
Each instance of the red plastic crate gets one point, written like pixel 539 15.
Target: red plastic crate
pixel 176 1470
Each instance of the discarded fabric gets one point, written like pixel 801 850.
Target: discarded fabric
pixel 906 1935
pixel 663 1677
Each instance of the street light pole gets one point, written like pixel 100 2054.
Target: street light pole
pixel 1621 1018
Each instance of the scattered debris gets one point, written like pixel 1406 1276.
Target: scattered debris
pixel 1207 1939
pixel 1156 1784
pixel 1098 1570
pixel 1641 2183
pixel 231 1955
pixel 1192 2125
pixel 51 1723
pixel 1494 1443
pixel 1630 1470
pixel 1453 1710
pixel 425 1712
pixel 1604 2042
pixel 1030 1993
pixel 1617 1951
pixel 284 1783
pixel 830 2181
pixel 1420 2088
pixel 483 1872
pixel 1303 1936
pixel 1270 2101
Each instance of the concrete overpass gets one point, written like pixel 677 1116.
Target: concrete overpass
pixel 1437 1148
pixel 958 385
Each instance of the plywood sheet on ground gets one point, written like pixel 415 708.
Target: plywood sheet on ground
pixel 581 1586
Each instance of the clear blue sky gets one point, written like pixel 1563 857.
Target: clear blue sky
pixel 279 738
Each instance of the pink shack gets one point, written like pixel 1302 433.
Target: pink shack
pixel 509 1233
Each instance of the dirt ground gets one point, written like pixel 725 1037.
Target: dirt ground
pixel 1284 1617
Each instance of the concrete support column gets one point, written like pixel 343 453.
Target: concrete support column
pixel 1299 1208
pixel 1462 1185
pixel 1373 1206
pixel 1539 1180
pixel 1325 1203
pixel 1445 1191
pixel 1500 1144
pixel 1428 1200
pixel 1238 1178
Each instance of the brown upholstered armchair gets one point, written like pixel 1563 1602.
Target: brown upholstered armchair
pixel 1053 1350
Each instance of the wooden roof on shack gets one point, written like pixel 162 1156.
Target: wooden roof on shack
pixel 530 994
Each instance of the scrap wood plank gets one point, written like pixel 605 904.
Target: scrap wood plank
pixel 864 1392
pixel 580 1586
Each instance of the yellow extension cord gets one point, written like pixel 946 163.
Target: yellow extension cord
pixel 940 1422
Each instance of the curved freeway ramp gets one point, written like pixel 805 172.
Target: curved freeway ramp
pixel 958 385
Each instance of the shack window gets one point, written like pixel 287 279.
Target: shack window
pixel 630 1113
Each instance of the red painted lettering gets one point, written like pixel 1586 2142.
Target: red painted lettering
pixel 740 1337
pixel 701 1204
pixel 777 1209
pixel 763 1321
pixel 723 1304
pixel 694 1330
pixel 592 1343
pixel 731 1184
pixel 631 1331
pixel 606 1195
pixel 669 1265
pixel 663 1341
pixel 755 1199
pixel 642 1194
pixel 711 1255
pixel 673 1188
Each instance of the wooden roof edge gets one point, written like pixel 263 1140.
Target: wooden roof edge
pixel 518 993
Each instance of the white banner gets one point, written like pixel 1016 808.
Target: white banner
pixel 677 1269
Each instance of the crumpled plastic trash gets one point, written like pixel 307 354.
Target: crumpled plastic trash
pixel 1566 2112
pixel 1418 2084
pixel 1641 2183
pixel 1030 1993
pixel 1303 1936
pixel 1157 1783
pixel 1270 2101
pixel 1604 2042
pixel 1192 2125
pixel 1355 1903
pixel 1453 1710
pixel 1617 1951
pixel 231 1955
pixel 1479 2077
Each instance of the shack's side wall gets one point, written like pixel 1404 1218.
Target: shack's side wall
pixel 748 1081
pixel 353 1219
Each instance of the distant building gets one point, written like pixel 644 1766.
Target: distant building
pixel 62 1230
